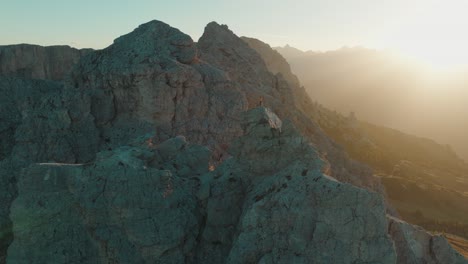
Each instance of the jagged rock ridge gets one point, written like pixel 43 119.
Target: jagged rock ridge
pixel 424 181
pixel 147 199
pixel 37 62
pixel 413 244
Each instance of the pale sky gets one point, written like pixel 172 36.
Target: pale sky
pixel 414 26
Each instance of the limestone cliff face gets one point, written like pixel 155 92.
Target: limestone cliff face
pixel 145 203
pixel 287 210
pixel 152 81
pixel 136 204
pixel 40 122
pixel 221 47
pixel 156 79
pixel 97 168
pixel 37 62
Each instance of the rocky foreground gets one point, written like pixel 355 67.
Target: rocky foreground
pixel 155 150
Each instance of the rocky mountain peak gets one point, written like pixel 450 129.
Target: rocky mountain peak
pixel 248 188
pixel 220 47
pixel 157 38
pixel 218 32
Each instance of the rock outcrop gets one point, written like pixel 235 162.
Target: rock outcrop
pixel 273 60
pixel 136 204
pixel 45 121
pixel 41 122
pixel 99 167
pixel 157 79
pixel 287 210
pixel 416 246
pixel 152 80
pixel 416 172
pixel 222 48
pixel 405 236
pixel 37 62
pixel 145 203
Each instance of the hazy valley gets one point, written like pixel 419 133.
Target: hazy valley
pixel 388 89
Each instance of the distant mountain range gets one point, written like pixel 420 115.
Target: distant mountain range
pixel 387 89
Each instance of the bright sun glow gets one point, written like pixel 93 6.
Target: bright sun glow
pixel 441 50
pixel 435 35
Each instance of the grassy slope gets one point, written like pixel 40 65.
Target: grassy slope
pixel 425 181
pixel 460 244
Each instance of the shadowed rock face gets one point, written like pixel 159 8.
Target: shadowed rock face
pixel 37 62
pixel 40 122
pixel 151 81
pixel 249 189
pixel 286 210
pixel 136 204
pixel 140 85
pixel 273 60
pixel 44 121
pixel 415 246
pixel 222 48
pixel 147 203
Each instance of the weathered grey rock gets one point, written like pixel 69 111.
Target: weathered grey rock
pixel 286 210
pixel 273 60
pixel 136 204
pixel 140 85
pixel 330 120
pixel 220 47
pixel 7 194
pixel 158 199
pixel 304 113
pixel 152 80
pixel 44 121
pixel 145 203
pixel 414 245
pixel 41 122
pixel 37 62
